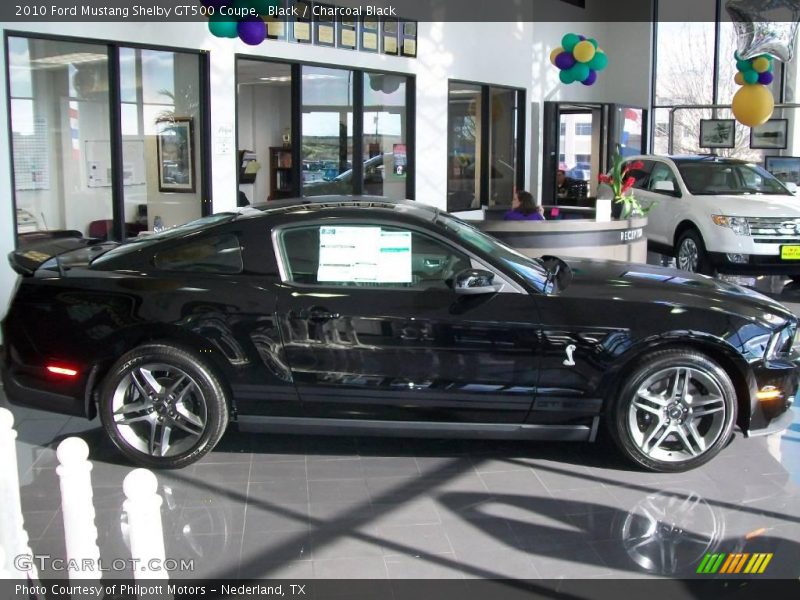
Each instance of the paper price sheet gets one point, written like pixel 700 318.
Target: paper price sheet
pixel 364 254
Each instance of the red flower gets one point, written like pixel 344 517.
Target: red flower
pixel 637 166
pixel 605 178
pixel 628 184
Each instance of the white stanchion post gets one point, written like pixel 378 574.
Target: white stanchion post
pixel 77 506
pixel 143 507
pixel 12 528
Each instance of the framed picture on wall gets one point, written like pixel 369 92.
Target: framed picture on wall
pixel 717 133
pixel 175 151
pixel 770 136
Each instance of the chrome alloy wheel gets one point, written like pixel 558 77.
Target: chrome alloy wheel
pixel 688 256
pixel 678 413
pixel 158 409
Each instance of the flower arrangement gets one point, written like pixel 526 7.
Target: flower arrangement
pixel 620 182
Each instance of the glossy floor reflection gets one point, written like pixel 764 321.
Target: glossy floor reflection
pixel 281 506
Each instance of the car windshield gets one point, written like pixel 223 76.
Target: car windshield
pixel 142 242
pixel 529 269
pixel 706 178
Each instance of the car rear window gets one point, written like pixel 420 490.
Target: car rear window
pixel 211 254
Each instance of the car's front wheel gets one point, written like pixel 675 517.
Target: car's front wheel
pixel 162 406
pixel 691 255
pixel 675 412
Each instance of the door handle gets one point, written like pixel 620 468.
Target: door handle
pixel 317 314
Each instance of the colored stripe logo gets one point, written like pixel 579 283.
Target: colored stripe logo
pixel 731 564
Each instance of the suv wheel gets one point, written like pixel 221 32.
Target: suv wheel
pixel 690 253
pixel 163 407
pixel 675 412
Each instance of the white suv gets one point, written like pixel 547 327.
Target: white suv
pixel 719 215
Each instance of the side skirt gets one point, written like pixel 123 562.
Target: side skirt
pixel 513 431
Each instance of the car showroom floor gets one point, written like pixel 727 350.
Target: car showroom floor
pixel 345 507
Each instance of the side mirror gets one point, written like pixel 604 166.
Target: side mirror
pixel 667 187
pixel 791 186
pixel 472 282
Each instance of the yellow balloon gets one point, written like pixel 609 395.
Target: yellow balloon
pixel 761 65
pixel 753 105
pixel 584 51
pixel 555 53
pixel 739 78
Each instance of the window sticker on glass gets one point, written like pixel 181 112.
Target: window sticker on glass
pixel 364 254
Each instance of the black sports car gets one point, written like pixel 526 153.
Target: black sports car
pixel 369 316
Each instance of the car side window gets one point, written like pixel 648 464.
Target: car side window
pixel 640 175
pixel 662 172
pixel 368 256
pixel 209 254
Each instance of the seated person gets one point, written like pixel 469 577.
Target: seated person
pixel 563 184
pixel 523 208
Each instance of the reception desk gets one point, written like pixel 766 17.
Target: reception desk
pixel 611 240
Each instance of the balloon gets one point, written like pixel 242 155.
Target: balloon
pixel 765 78
pixel 753 105
pixel 750 77
pixel 566 76
pixel 590 79
pixel 599 62
pixel 554 54
pixel 565 60
pixel 761 65
pixel 569 41
pixel 594 43
pixel 739 79
pixel 583 51
pixel 223 27
pixel 743 66
pixel 765 27
pixel 579 72
pixel 252 30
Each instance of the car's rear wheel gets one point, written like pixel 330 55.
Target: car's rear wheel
pixel 163 407
pixel 691 255
pixel 675 412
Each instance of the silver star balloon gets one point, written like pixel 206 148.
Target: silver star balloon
pixel 765 27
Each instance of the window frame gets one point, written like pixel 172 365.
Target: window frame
pixel 509 286
pixel 116 141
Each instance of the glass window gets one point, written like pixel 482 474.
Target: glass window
pixel 583 128
pixel 60 136
pixel 213 254
pixel 503 146
pixel 463 147
pixel 370 256
pixel 661 172
pixel 327 124
pixel 727 177
pixel 385 151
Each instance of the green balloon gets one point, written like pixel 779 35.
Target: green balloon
pixel 594 43
pixel 223 27
pixel 750 77
pixel 566 76
pixel 599 62
pixel 580 71
pixel 744 66
pixel 569 41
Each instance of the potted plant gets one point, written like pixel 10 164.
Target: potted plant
pixel 621 183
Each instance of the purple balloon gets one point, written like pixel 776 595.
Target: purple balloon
pixel 565 61
pixel 591 78
pixel 581 37
pixel 252 31
pixel 765 78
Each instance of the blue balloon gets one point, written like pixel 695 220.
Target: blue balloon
pixel 565 61
pixel 591 78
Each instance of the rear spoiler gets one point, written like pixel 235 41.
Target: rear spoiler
pixel 27 259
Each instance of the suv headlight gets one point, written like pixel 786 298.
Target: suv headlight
pixel 738 225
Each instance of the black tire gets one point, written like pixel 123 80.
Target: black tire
pixel 703 264
pixel 627 422
pixel 200 420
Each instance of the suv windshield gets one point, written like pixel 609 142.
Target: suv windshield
pixel 530 269
pixel 728 177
